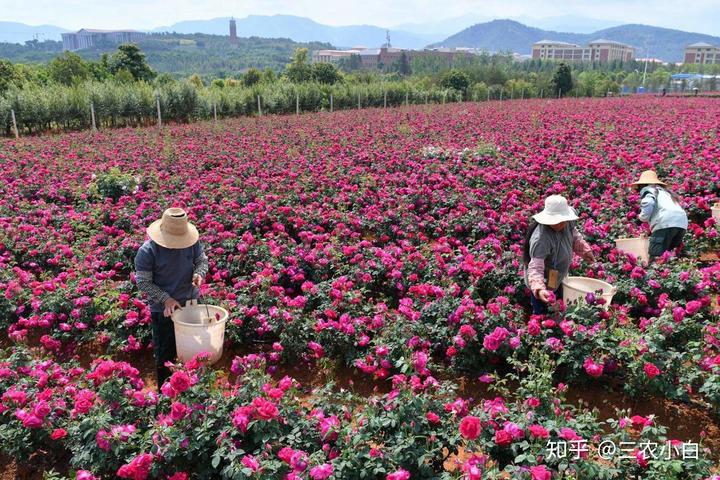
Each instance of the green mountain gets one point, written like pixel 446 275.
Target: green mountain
pixel 503 35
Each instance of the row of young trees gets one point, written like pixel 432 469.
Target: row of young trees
pixel 114 104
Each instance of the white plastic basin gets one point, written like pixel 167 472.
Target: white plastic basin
pixel 716 211
pixel 199 328
pixel 576 288
pixel 637 246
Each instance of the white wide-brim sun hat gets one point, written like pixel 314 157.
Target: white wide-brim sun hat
pixel 173 230
pixel 556 211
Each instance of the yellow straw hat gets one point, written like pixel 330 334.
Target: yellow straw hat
pixel 173 230
pixel 649 177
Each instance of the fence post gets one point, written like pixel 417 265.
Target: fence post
pixel 157 103
pixel 488 90
pixel 92 116
pixel 214 112
pixel 259 107
pixel 512 93
pixel 426 98
pixel 359 107
pixel 297 103
pixel 559 92
pixel 501 92
pixel 384 99
pixel 406 99
pixel 444 95
pixel 522 94
pixel 15 129
pixel 331 102
pixel 541 93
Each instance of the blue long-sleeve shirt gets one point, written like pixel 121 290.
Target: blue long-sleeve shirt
pixel 659 209
pixel 166 272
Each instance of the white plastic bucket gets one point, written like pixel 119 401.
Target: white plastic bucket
pixel 576 288
pixel 199 328
pixel 716 211
pixel 638 246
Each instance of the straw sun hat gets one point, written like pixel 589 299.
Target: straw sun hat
pixel 173 230
pixel 649 177
pixel 556 211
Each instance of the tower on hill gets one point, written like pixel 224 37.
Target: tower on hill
pixel 233 31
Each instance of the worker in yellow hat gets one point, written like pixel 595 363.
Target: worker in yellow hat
pixel 661 208
pixel 169 267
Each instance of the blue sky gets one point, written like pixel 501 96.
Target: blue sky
pixel 694 15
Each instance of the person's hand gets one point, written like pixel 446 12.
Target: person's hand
pixel 589 257
pixel 170 306
pixel 543 296
pixel 197 280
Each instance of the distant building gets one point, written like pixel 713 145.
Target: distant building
pixel 702 53
pixel 87 38
pixel 656 61
pixel 554 50
pixel 692 81
pixel 233 31
pixel 597 51
pixel 373 58
pixel 334 56
pixel 610 51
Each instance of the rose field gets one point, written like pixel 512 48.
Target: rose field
pixel 371 261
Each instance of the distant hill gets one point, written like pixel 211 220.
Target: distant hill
pixel 567 23
pixel 412 35
pixel 301 29
pixel 14 32
pixel 444 27
pixel 502 35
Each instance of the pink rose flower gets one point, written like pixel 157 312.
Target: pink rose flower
pixel 540 472
pixel 503 438
pixel 651 370
pixel 398 475
pixel 470 427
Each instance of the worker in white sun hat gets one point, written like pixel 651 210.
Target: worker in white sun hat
pixel 550 242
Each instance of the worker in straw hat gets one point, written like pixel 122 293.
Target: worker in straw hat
pixel 550 242
pixel 170 267
pixel 661 208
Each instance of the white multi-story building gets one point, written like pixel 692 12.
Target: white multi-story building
pixel 596 51
pixel 87 37
pixel 702 53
